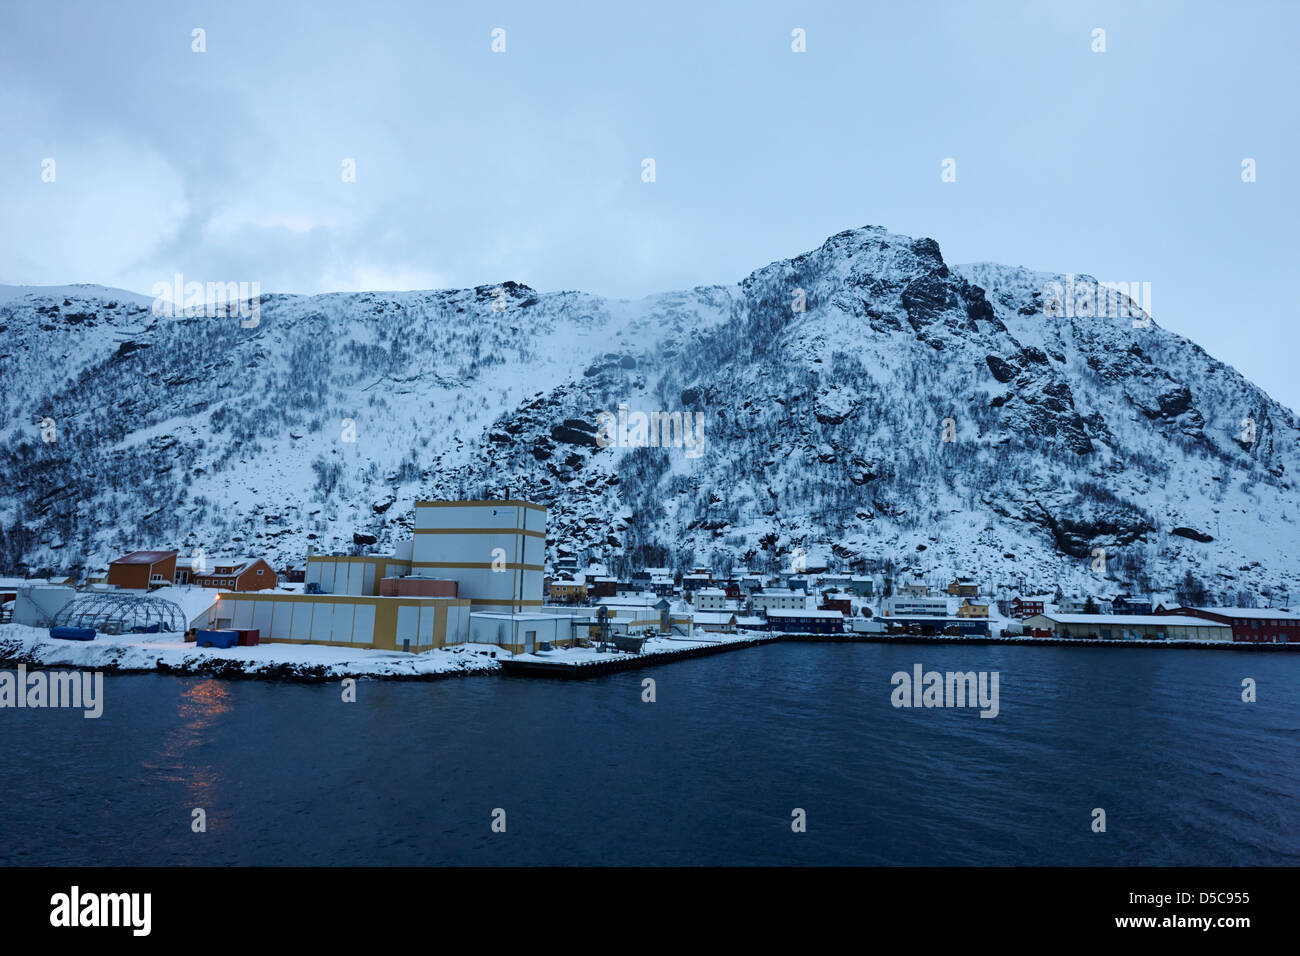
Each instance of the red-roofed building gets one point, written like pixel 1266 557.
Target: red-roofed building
pixel 141 570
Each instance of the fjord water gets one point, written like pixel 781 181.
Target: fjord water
pixel 587 773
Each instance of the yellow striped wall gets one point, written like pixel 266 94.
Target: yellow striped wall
pixel 427 622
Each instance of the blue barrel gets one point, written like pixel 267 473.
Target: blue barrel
pixel 216 638
pixel 73 633
pixel 546 645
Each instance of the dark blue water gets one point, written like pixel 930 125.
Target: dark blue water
pixel 709 774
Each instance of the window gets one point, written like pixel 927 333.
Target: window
pixel 259 570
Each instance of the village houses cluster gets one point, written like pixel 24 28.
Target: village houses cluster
pixel 475 573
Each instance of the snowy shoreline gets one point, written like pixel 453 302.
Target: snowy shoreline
pixel 170 654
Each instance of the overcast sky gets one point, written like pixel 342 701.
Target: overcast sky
pixel 474 167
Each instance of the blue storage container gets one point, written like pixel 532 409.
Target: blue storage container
pixel 216 638
pixel 73 633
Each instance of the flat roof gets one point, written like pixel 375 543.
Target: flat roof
pixel 1147 620
pixel 505 502
pixel 358 557
pixel 797 612
pixel 506 616
pixel 1260 613
pixel 267 594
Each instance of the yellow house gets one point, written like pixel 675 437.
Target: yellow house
pixel 969 609
pixel 568 591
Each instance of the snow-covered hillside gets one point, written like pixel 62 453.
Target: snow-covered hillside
pixel 1072 439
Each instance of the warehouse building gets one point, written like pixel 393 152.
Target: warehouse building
pixel 381 623
pixel 1128 627
pixel 522 633
pixel 472 572
pixel 1251 625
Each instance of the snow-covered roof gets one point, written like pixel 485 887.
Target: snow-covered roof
pixel 1256 613
pixel 144 557
pixel 194 602
pixel 713 617
pixel 1149 620
pixel 210 564
pixel 800 612
pixel 507 616
pixel 631 600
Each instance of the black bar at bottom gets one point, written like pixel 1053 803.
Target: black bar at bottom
pixel 334 905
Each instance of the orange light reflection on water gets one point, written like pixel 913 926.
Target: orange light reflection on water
pixel 202 705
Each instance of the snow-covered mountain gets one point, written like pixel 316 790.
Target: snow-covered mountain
pixel 1082 450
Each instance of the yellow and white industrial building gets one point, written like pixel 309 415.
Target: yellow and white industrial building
pixel 472 572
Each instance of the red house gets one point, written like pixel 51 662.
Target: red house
pixel 230 574
pixel 843 605
pixel 141 570
pixel 1251 625
pixel 1027 607
pixel 599 587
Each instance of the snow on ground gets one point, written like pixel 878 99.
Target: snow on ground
pixel 653 647
pixel 170 652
